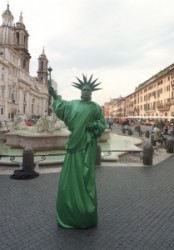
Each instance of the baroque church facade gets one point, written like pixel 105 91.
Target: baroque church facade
pixel 20 93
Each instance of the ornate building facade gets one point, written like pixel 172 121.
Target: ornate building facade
pixel 20 93
pixel 152 98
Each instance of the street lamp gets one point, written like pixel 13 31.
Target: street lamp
pixel 49 85
pixel 49 70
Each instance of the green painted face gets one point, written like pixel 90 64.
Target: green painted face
pixel 86 93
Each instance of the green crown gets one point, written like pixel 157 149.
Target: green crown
pixel 91 83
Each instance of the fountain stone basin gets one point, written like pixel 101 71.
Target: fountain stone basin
pixel 44 141
pixel 38 141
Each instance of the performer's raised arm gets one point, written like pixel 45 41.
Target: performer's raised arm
pixel 52 92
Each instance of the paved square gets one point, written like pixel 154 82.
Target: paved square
pixel 135 208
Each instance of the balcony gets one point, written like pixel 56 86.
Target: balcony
pixel 150 109
pixel 171 101
pixel 130 113
pixel 163 107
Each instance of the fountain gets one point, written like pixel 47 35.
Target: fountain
pixel 50 144
pixel 48 133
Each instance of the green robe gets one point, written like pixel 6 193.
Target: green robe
pixel 76 199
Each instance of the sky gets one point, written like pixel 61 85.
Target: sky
pixel 121 42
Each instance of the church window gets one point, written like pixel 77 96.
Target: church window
pixel 41 65
pixel 2 76
pixel 17 38
pixel 32 108
pixel 2 92
pixel 25 42
pixel 24 64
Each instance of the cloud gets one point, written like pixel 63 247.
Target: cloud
pixel 123 42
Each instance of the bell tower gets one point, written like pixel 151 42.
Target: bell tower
pixel 7 17
pixel 21 43
pixel 6 30
pixel 42 72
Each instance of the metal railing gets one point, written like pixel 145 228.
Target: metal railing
pixel 44 157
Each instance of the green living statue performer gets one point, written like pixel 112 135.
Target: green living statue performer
pixel 77 199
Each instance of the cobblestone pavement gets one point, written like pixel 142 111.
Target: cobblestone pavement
pixel 135 210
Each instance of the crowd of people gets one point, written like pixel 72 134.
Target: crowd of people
pixel 160 129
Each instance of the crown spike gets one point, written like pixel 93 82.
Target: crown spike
pixel 85 81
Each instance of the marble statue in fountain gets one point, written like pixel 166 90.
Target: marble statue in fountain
pixel 49 124
pixel 19 123
pixel 48 133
